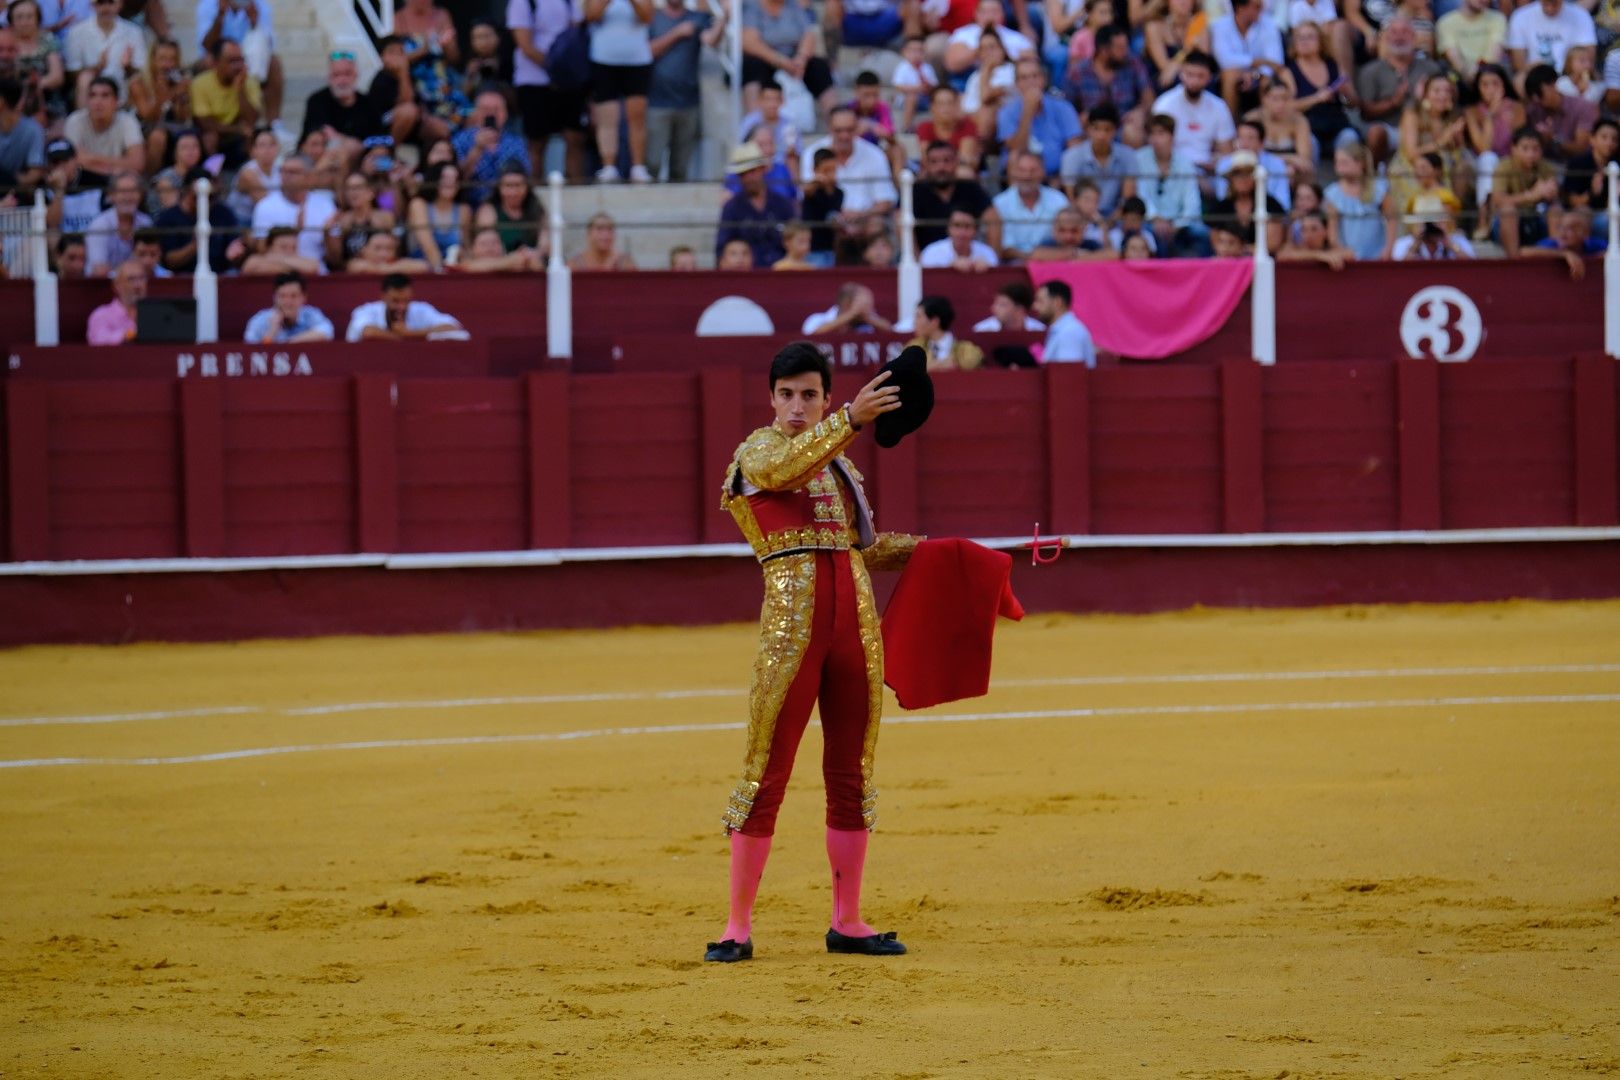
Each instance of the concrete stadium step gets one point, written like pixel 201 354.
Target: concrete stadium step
pixel 652 218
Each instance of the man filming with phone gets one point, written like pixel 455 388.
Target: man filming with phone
pixel 486 146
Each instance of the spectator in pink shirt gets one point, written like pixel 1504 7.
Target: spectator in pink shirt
pixel 113 323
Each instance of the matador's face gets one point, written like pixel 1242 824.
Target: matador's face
pixel 799 401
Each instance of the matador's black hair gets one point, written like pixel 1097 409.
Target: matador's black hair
pixel 800 357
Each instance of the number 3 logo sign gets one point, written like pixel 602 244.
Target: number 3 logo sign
pixel 1441 322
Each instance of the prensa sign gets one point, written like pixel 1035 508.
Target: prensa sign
pixel 238 365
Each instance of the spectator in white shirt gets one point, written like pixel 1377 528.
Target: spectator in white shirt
pixel 863 177
pixel 1204 127
pixel 962 50
pixel 914 79
pixel 1248 47
pixel 961 249
pixel 1067 339
pixel 1541 33
pixel 397 317
pixel 854 311
pixel 1026 209
pixel 105 45
pixel 297 207
pixel 1010 310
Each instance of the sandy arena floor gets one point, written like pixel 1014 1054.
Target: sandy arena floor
pixel 1349 843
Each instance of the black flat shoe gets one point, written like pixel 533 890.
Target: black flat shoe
pixel 876 945
pixel 729 951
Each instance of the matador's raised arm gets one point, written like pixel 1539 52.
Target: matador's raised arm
pixel 772 461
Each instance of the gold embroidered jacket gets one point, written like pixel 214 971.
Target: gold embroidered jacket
pixel 792 497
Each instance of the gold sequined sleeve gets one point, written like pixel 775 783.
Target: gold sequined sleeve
pixel 773 462
pixel 890 551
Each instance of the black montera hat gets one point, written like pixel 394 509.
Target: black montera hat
pixel 909 372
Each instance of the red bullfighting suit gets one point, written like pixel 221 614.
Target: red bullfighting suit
pixel 800 506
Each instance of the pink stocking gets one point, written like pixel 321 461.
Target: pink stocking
pixel 748 854
pixel 846 853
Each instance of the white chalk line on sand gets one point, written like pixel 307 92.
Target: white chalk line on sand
pixel 726 692
pixel 924 718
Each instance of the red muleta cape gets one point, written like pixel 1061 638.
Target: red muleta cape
pixel 938 626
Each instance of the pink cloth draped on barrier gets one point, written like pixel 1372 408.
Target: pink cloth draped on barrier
pixel 1151 308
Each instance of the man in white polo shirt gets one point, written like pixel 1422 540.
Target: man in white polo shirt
pixel 863 170
pixel 863 177
pixel 961 249
pixel 1248 47
pixel 297 207
pixel 1204 127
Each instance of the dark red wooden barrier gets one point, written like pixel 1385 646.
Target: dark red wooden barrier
pixel 1525 308
pixel 377 463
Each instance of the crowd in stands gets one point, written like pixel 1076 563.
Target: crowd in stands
pixel 1058 129
pixel 1086 129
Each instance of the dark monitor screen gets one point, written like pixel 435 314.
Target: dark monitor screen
pixel 166 318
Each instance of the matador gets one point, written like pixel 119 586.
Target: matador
pixel 801 507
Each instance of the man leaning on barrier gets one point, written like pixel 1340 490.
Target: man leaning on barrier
pixel 288 319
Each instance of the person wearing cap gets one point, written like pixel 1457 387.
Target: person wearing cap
pixel 799 503
pixel 1251 137
pixel 177 228
pixel 113 323
pixel 755 214
pixel 778 176
pixel 70 203
pixel 1239 204
pixel 1431 231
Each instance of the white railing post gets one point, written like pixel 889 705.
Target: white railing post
pixel 204 283
pixel 1611 268
pixel 1263 289
pixel 47 319
pixel 910 283
pixel 734 51
pixel 559 284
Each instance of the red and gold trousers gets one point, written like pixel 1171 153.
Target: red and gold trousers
pixel 819 642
